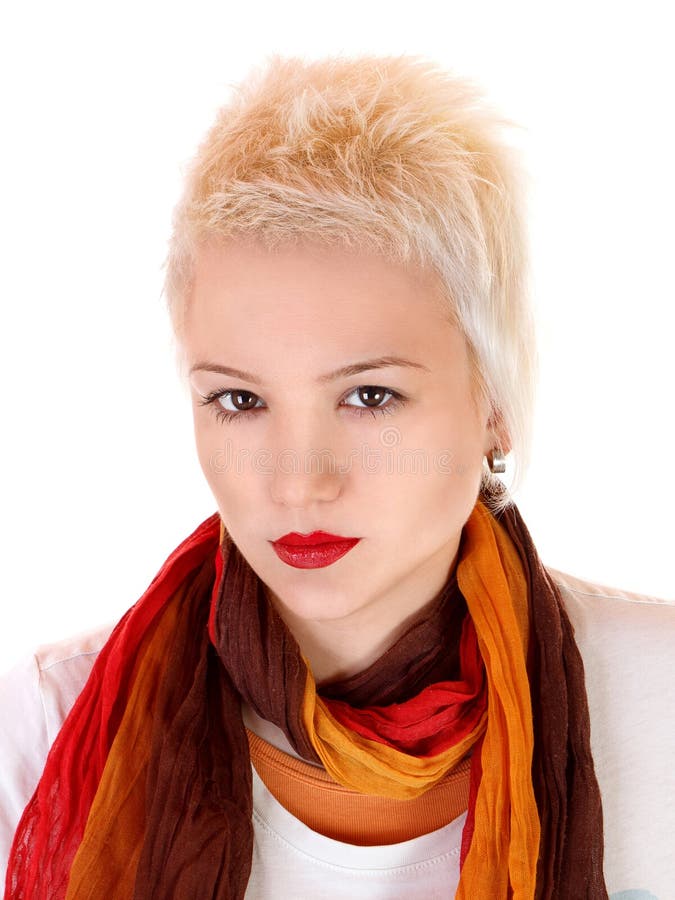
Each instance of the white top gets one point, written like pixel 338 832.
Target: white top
pixel 627 642
pixel 292 861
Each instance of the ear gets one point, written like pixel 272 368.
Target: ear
pixel 496 435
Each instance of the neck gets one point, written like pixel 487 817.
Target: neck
pixel 337 649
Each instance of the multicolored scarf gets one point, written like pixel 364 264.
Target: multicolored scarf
pixel 147 789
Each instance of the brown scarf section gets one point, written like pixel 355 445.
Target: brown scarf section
pixel 565 786
pixel 198 834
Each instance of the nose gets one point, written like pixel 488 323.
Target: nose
pixel 304 473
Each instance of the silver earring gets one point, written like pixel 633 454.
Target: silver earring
pixel 496 460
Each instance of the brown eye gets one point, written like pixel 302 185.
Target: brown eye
pixel 241 400
pixel 372 395
pixel 371 399
pixel 244 404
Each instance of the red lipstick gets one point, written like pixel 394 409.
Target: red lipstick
pixel 312 551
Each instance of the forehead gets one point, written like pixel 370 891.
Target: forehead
pixel 293 314
pixel 243 284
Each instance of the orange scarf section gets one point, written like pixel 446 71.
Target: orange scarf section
pixel 370 767
pixel 505 842
pixel 112 840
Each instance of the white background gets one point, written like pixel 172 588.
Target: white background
pixel 102 105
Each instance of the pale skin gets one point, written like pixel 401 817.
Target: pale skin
pixel 288 317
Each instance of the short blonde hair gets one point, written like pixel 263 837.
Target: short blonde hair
pixel 389 154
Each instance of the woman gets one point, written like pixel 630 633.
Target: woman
pixel 356 678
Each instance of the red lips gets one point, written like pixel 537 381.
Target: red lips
pixel 308 540
pixel 312 551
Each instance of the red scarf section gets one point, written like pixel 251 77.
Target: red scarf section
pixel 438 717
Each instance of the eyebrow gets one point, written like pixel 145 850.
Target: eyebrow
pixel 364 365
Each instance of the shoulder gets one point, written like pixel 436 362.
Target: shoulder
pixel 627 641
pixel 63 668
pixel 611 619
pixel 577 589
pixel 587 600
pixel 36 695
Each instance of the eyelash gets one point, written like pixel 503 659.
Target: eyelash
pixel 226 415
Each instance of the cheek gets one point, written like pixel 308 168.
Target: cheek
pixel 440 506
pixel 451 449
pixel 207 449
pixel 218 457
pixel 445 493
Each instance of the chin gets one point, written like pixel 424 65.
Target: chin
pixel 317 604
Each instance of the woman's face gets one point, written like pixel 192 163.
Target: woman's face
pixel 400 469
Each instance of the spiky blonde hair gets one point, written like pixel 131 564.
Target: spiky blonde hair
pixel 389 154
